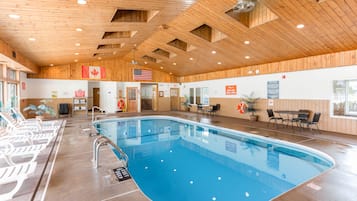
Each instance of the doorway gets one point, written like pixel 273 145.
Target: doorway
pixel 132 99
pixel 148 97
pixel 174 99
pixel 96 97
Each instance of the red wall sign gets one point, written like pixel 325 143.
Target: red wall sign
pixel 23 85
pixel 231 89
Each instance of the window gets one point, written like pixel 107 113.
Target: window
pixel 11 74
pixel 204 96
pixel 9 83
pixel 1 96
pixel 345 98
pixel 12 95
pixel 199 96
pixel 192 96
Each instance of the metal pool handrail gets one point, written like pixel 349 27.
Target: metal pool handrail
pixel 93 108
pixel 103 140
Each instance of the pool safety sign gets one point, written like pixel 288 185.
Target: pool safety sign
pixel 121 173
pixel 231 89
pixel 273 89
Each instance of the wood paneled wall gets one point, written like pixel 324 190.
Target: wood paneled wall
pixel 164 104
pixel 328 123
pixel 121 70
pixel 307 63
pixel 115 69
pixel 6 50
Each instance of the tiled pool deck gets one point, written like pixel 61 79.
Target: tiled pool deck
pixel 74 178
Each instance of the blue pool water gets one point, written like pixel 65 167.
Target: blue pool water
pixel 174 160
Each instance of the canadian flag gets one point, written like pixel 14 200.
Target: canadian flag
pixel 93 72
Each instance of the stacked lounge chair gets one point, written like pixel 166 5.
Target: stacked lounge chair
pixel 21 141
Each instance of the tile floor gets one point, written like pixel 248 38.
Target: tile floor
pixel 74 178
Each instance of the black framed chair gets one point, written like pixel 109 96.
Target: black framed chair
pixel 302 117
pixel 273 117
pixel 200 108
pixel 315 121
pixel 214 109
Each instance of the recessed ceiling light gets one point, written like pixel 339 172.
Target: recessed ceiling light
pixel 161 67
pixel 145 62
pixel 82 2
pixel 174 64
pixel 76 53
pixel 213 52
pixel 247 57
pixel 77 44
pixel 300 26
pixel 191 58
pixel 99 58
pixel 14 16
pixel 247 42
pixel 32 39
pixel 76 60
pixel 79 29
pixel 170 73
pixel 219 63
pixel 51 64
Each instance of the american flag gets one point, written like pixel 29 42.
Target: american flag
pixel 140 74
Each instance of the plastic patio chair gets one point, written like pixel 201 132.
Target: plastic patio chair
pixel 25 136
pixel 8 151
pixel 16 173
pixel 36 128
pixel 23 121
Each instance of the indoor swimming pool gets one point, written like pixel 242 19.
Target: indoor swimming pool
pixel 175 159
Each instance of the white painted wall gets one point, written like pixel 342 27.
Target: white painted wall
pixel 108 96
pixel 165 87
pixel 43 88
pixel 146 91
pixel 311 84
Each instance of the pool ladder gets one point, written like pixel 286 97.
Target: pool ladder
pixel 90 130
pixel 103 140
pixel 100 110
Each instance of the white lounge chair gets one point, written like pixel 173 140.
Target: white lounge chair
pixel 8 151
pixel 16 173
pixel 11 122
pixel 24 136
pixel 21 119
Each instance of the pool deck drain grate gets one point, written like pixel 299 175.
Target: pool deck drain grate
pixel 122 174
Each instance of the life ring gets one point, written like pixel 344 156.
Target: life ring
pixel 121 104
pixel 240 107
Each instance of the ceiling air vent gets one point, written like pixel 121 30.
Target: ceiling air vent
pixel 244 6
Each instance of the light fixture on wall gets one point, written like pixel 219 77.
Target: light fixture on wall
pixel 133 61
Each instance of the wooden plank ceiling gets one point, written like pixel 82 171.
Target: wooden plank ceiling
pixel 178 36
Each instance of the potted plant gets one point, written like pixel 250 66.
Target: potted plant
pixel 186 104
pixel 250 100
pixel 40 109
